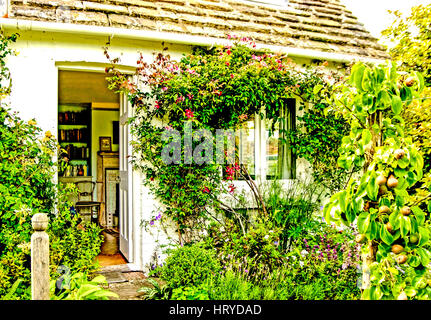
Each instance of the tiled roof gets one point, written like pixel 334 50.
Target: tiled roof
pixel 323 25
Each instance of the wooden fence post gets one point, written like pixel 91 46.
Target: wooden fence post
pixel 40 258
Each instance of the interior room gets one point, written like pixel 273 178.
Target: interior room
pixel 88 133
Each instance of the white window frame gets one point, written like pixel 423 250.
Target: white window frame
pixel 260 156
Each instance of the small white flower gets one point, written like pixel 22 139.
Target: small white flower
pixel 304 252
pixel 301 263
pixel 266 237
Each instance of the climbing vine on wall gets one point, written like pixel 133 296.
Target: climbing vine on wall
pixel 213 88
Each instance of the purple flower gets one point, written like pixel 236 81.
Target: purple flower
pixel 151 223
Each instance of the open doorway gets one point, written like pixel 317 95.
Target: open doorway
pixel 88 133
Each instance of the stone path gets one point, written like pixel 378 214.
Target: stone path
pixel 124 282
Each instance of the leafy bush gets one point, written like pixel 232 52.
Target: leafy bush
pixel 317 133
pixel 327 261
pixel 26 171
pixel 80 287
pixel 321 266
pixel 73 242
pixel 157 291
pixel 199 292
pixel 26 185
pixel 417 118
pixel 254 253
pixel 189 265
pixel 292 209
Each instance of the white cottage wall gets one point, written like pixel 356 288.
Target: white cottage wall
pixel 34 94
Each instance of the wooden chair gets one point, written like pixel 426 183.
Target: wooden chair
pixel 85 198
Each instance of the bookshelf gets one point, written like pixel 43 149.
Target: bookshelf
pixel 74 136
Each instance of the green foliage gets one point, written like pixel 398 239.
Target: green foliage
pixel 292 208
pixel 410 40
pixel 73 243
pixel 5 51
pixel 324 265
pixel 189 265
pixel 157 292
pixel 373 102
pixel 254 253
pixel 314 140
pixel 27 169
pixel 409 45
pixel 199 292
pixel 417 118
pixel 216 88
pixel 80 287
pixel 312 271
pixel 11 294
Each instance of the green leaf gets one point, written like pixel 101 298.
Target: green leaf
pixel 342 201
pixel 366 136
pixel 396 105
pixel 414 261
pixel 424 255
pixel 372 187
pixel 405 226
pixel 419 214
pixel 317 88
pixel 421 81
pixel 403 162
pixel 357 75
pixel 386 236
pixel 394 219
pixel 373 230
pixel 363 222
pixel 424 236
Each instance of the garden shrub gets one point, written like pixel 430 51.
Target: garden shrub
pixel 26 172
pixel 326 260
pixel 292 209
pixel 74 244
pixel 79 286
pixel 254 253
pixel 417 118
pixel 189 265
pixel 27 169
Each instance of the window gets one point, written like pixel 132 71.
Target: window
pixel 261 147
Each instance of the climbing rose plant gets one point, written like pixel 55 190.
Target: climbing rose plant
pixel 216 88
pixel 393 222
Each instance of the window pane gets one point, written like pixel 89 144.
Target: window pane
pixel 272 149
pixel 246 145
pixel 280 161
pixel 244 149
